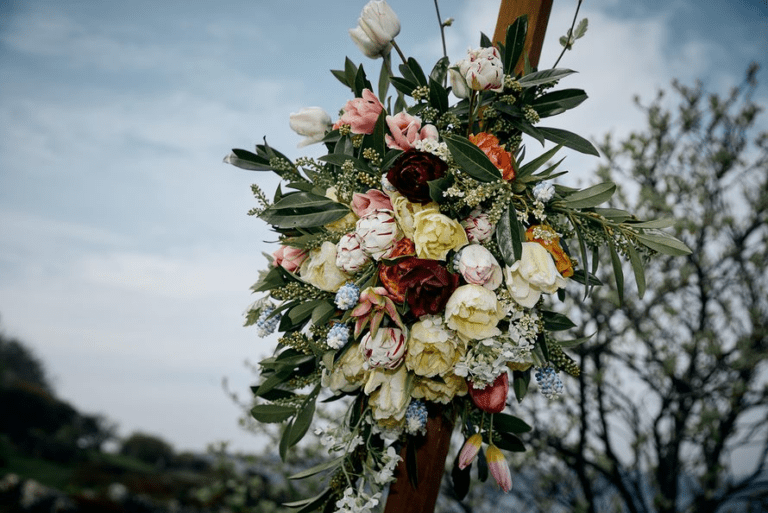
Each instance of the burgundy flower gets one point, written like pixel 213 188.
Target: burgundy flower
pixel 412 170
pixel 391 274
pixel 493 398
pixel 428 286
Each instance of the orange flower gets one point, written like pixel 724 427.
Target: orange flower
pixel 547 237
pixel 500 157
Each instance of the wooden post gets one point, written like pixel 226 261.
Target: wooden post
pixel 431 452
pixel 538 17
pixel 433 449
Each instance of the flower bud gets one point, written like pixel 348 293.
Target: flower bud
pixel 311 122
pixel 498 467
pixel 377 26
pixel 470 450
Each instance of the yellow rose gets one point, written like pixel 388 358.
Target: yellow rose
pixel 348 373
pixel 432 349
pixel 346 223
pixel 473 311
pixel 389 394
pixel 440 389
pixel 319 269
pixel 435 234
pixel 405 212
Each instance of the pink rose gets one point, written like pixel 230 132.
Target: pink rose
pixel 385 349
pixel 361 113
pixel 289 258
pixel 374 199
pixel 406 130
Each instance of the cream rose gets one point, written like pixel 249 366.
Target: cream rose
pixel 473 311
pixel 440 390
pixel 435 234
pixel 405 210
pixel 389 394
pixel 320 270
pixel 432 349
pixel 348 373
pixel 535 273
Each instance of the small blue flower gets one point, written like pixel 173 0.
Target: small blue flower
pixel 264 325
pixel 347 296
pixel 544 191
pixel 549 382
pixel 416 418
pixel 338 336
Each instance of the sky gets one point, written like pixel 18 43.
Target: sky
pixel 125 250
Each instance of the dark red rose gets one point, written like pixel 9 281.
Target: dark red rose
pixel 428 285
pixel 412 170
pixel 390 275
pixel 493 398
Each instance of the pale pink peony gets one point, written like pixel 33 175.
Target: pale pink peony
pixel 477 265
pixel 384 349
pixel 478 226
pixel 377 232
pixel 350 257
pixel 361 114
pixel 406 130
pixel 289 258
pixel 374 199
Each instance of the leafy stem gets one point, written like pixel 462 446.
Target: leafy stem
pixel 570 33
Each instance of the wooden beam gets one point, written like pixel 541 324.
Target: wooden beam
pixel 538 17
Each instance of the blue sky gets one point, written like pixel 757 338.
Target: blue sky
pixel 125 249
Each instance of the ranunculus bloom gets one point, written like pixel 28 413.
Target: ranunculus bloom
pixel 412 170
pixel 405 210
pixel 389 394
pixel 390 274
pixel 320 269
pixel 406 130
pixel 373 199
pixel 485 70
pixel 378 232
pixel 436 234
pixel 500 157
pixel 432 349
pixel 441 389
pixel 478 226
pixel 348 373
pixel 551 242
pixel 428 286
pixel 361 114
pixel 474 312
pixel 350 257
pixel 311 122
pixel 377 26
pixel 469 450
pixel 477 265
pixel 493 398
pixel 289 258
pixel 384 349
pixel 535 273
pixel 497 465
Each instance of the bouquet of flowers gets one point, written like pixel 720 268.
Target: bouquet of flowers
pixel 419 259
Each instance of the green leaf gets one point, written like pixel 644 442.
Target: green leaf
pixel 544 77
pixel 509 235
pixel 403 85
pixel 341 76
pixel 515 43
pixel 303 420
pixel 361 82
pixel 509 423
pixel 440 70
pixel 485 41
pixel 322 312
pixel 664 243
pixel 581 29
pixel 539 161
pixel 460 479
pixel 471 159
pixel 244 159
pixel 437 187
pixel 592 280
pixel 417 72
pixel 350 72
pixel 510 442
pixel 554 321
pixel 271 413
pixel 591 196
pixel 272 381
pixel 568 139
pixel 618 272
pixel 637 268
pixel 482 466
pixel 565 344
pixel 312 504
pixel 438 96
pixel 557 102
pixel 520 380
pixel 384 74
pixel 340 159
pixel 326 465
pixel 616 215
pixel 408 75
pixel 654 223
pixel 303 210
pixel 390 159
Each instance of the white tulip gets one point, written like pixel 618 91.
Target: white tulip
pixel 376 28
pixel 311 122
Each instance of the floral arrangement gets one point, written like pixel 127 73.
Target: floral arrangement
pixel 419 259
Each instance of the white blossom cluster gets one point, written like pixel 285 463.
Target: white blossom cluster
pixel 338 438
pixel 357 501
pixel 439 149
